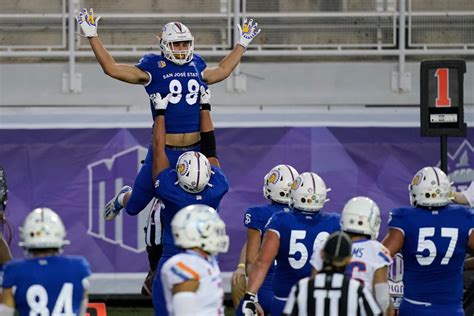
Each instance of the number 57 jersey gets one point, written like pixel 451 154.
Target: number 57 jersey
pixel 52 285
pixel 435 244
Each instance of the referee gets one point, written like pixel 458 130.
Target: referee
pixel 330 292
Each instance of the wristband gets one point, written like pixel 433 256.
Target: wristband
pixel 160 112
pixel 206 106
pixel 241 265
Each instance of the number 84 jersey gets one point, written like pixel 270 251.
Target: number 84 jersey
pixel 434 247
pixel 183 81
pixel 52 285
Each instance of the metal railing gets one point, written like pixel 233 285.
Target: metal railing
pixel 290 28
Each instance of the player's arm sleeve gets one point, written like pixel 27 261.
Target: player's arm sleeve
pixel 85 272
pixel 273 224
pixel 395 220
pixel 222 180
pixel 162 184
pixel 184 303
pixel 179 272
pixel 200 64
pixel 252 220
pixel 316 261
pixel 291 307
pixel 367 302
pixel 381 257
pixel 9 276
pixel 146 64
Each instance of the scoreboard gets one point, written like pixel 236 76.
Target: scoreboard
pixel 442 98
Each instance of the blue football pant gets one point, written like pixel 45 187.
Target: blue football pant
pixel 409 309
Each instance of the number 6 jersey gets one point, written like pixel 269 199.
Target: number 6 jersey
pixel 53 285
pixel 434 247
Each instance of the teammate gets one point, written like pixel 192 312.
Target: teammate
pixel 276 188
pixel 177 70
pixel 360 219
pixel 330 292
pixel 433 238
pixel 47 283
pixel 191 280
pixel 289 238
pixel 196 179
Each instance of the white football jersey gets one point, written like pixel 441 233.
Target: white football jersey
pixel 192 266
pixel 367 257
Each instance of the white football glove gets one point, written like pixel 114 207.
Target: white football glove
pixel 249 304
pixel 88 23
pixel 159 102
pixel 205 95
pixel 248 31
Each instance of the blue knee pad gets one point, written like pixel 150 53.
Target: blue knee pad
pixel 157 293
pixel 277 306
pixel 144 189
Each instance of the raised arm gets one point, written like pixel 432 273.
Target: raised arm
pixel 248 32
pixel 160 159
pixel 208 138
pixel 123 72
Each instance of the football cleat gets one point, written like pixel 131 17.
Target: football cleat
pixel 113 208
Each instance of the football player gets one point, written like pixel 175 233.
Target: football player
pixel 46 283
pixel 276 188
pixel 176 70
pixel 192 280
pixel 289 238
pixel 433 237
pixel 360 219
pixel 196 179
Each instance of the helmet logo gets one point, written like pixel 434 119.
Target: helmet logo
pixel 416 180
pixel 183 168
pixel 273 178
pixel 296 184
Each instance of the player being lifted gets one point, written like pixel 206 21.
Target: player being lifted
pixel 360 219
pixel 196 179
pixel 47 283
pixel 433 237
pixel 276 188
pixel 289 238
pixel 177 70
pixel 191 280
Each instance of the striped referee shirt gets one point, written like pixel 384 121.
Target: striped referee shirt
pixel 330 294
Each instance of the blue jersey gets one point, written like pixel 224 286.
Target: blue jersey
pixel 175 198
pixel 434 248
pixel 297 232
pixel 57 283
pixel 256 218
pixel 182 114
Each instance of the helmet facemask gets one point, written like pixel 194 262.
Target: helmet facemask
pixel 172 34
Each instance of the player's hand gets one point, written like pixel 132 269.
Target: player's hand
pixel 88 22
pixel 238 285
pixel 249 304
pixel 248 31
pixel 161 103
pixel 205 95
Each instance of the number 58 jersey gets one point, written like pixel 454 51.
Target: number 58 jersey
pixel 435 244
pixel 52 285
pixel 297 232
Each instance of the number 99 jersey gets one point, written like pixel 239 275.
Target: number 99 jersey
pixel 53 285
pixel 297 233
pixel 182 114
pixel 434 247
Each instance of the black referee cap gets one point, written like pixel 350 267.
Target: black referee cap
pixel 337 248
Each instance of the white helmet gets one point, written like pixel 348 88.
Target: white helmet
pixel 430 187
pixel 194 171
pixel 200 226
pixel 361 215
pixel 277 183
pixel 42 229
pixel 308 192
pixel 176 32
